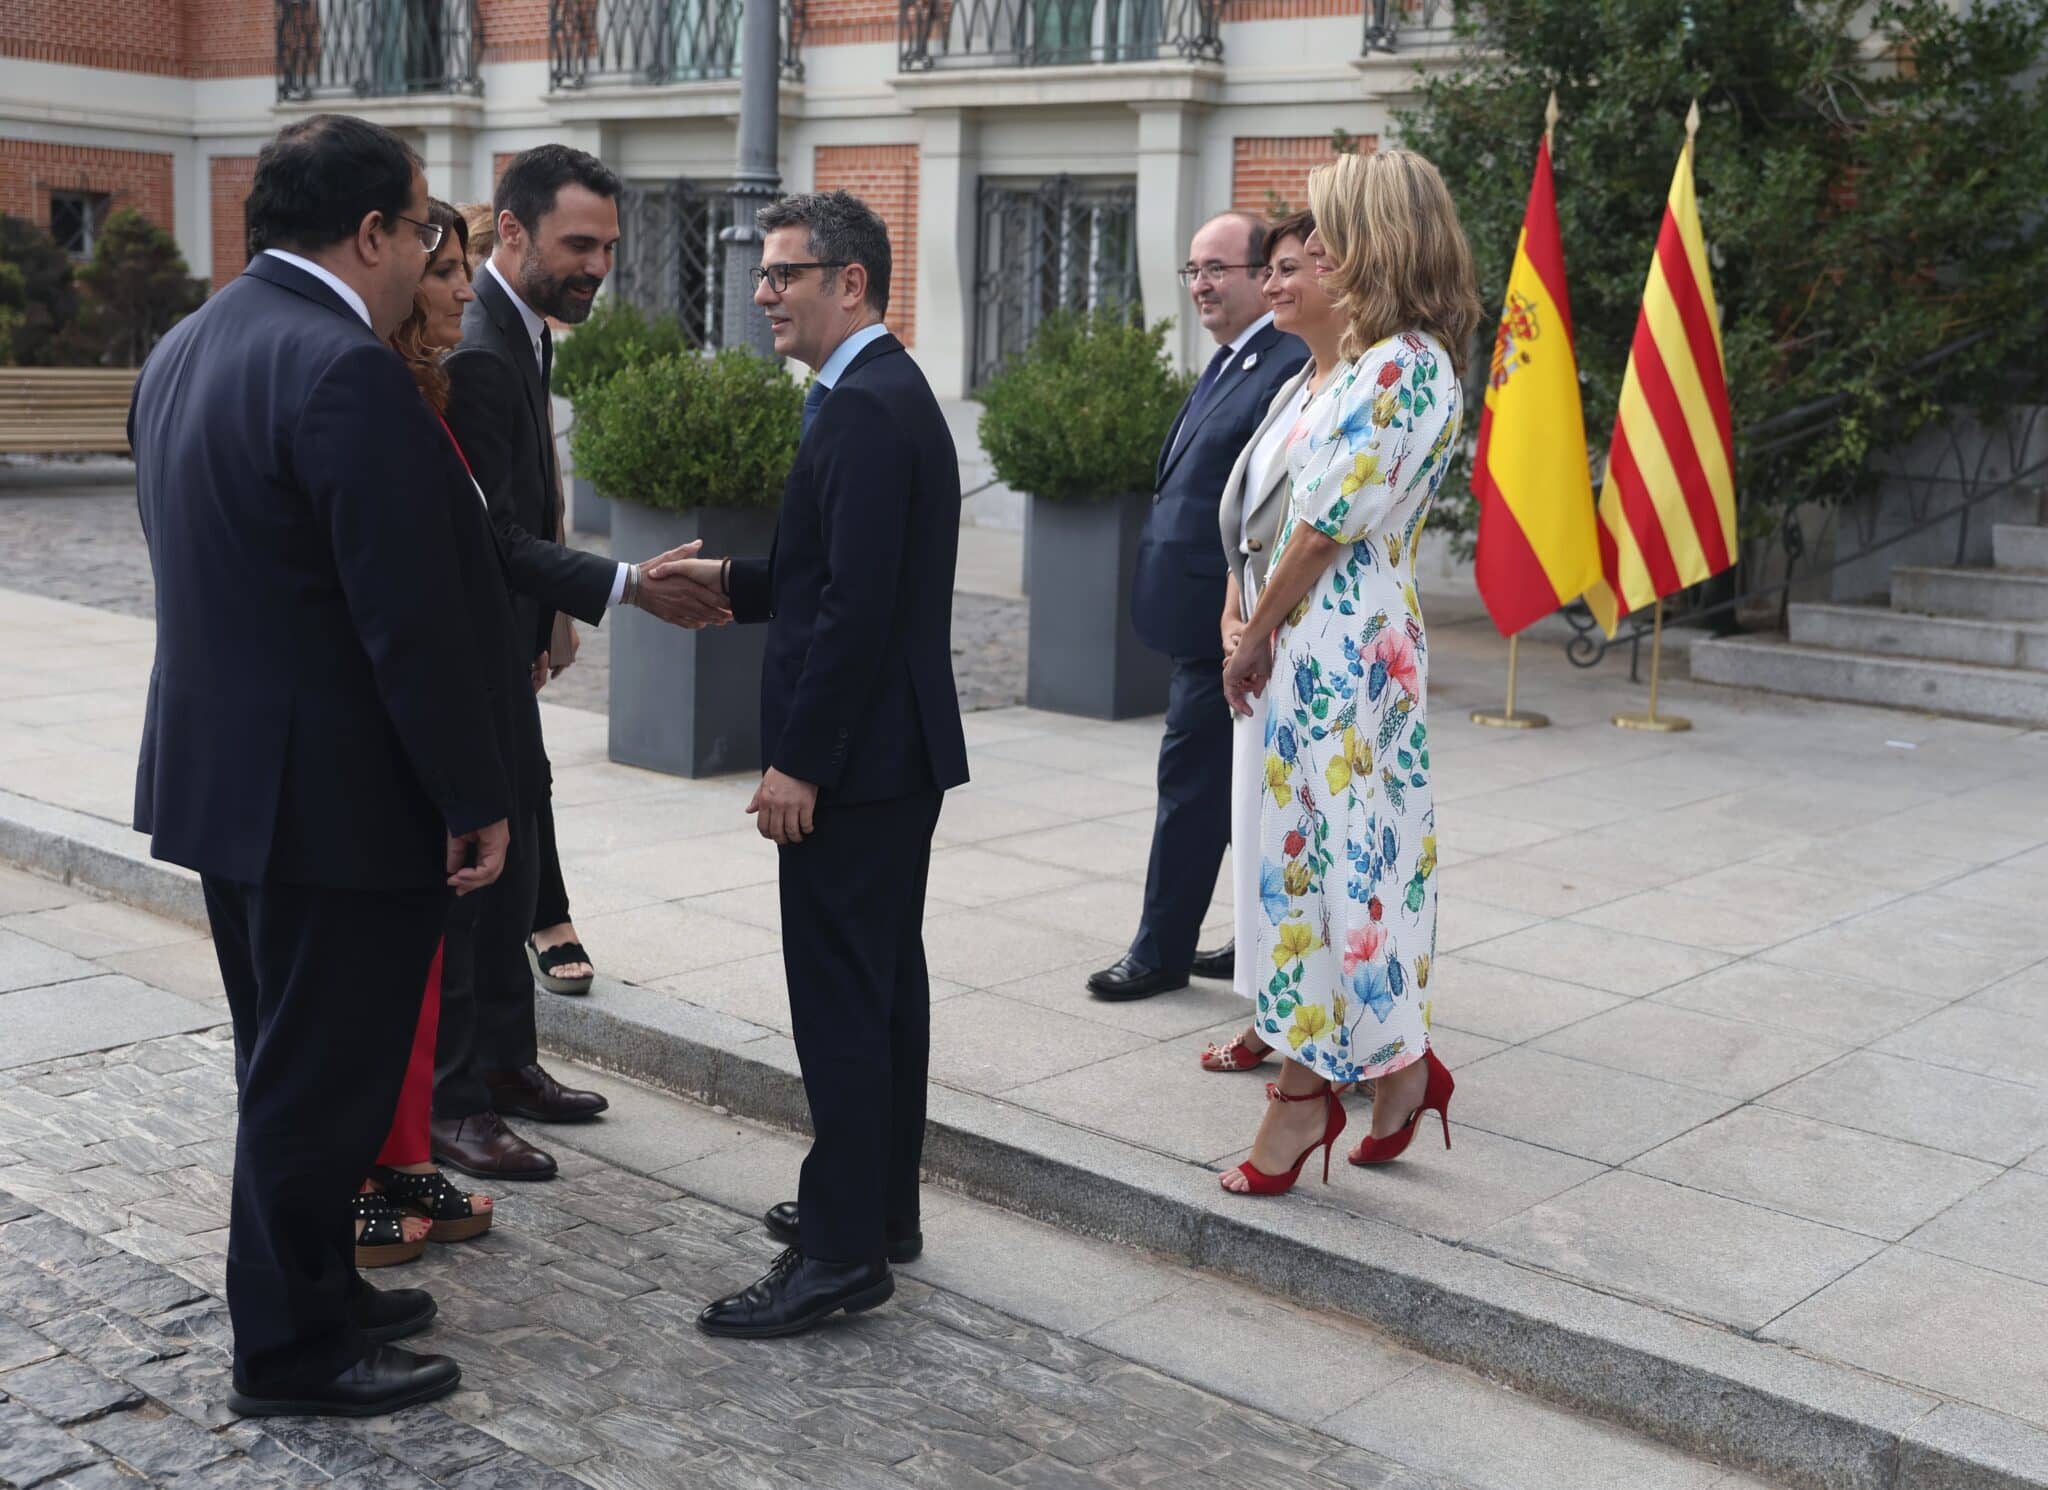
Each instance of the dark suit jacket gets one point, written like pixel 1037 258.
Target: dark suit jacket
pixel 316 713
pixel 857 690
pixel 499 412
pixel 1177 591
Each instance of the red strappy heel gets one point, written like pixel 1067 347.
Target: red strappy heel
pixel 1436 1097
pixel 1238 1055
pixel 1258 1182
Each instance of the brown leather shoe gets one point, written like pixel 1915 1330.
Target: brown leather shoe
pixel 532 1094
pixel 481 1145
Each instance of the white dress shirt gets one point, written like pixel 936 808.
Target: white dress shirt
pixel 328 278
pixel 535 325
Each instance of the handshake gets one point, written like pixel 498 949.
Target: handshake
pixel 680 588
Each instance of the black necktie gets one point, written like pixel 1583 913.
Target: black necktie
pixel 814 400
pixel 1203 386
pixel 547 359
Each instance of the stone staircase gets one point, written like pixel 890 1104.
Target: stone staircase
pixel 1966 642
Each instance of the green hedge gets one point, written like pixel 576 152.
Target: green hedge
pixel 1080 415
pixel 691 431
pixel 617 336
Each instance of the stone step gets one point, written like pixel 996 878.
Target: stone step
pixel 1891 633
pixel 1990 594
pixel 2019 546
pixel 1964 690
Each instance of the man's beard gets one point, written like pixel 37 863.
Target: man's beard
pixel 551 296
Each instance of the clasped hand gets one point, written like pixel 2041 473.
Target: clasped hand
pixel 1247 671
pixel 681 589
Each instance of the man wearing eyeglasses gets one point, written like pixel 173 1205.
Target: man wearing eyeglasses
pixel 1177 594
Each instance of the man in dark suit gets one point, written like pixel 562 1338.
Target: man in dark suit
pixel 1177 605
pixel 558 228
pixel 860 725
pixel 319 742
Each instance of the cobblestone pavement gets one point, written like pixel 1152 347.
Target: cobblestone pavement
pixel 573 1323
pixel 85 545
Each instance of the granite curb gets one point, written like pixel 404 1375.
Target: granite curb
pixel 1767 1408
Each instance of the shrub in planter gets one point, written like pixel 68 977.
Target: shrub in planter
pixel 1076 421
pixel 689 446
pixel 618 335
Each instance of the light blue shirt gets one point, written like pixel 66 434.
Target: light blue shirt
pixel 843 354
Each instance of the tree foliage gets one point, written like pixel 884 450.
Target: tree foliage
pixel 135 289
pixel 1872 180
pixel 48 297
pixel 690 430
pixel 1079 415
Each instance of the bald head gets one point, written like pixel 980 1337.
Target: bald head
pixel 1226 252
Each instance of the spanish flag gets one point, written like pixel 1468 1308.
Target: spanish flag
pixel 1536 545
pixel 1667 508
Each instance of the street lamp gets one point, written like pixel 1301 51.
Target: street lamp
pixel 756 180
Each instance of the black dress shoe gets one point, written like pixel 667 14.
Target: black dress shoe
pixel 1127 978
pixel 481 1145
pixel 1220 963
pixel 383 1381
pixel 388 1314
pixel 797 1293
pixel 532 1094
pixel 905 1243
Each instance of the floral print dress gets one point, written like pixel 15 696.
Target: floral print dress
pixel 1347 829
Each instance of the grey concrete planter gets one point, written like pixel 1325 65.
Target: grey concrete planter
pixel 686 702
pixel 588 512
pixel 1085 656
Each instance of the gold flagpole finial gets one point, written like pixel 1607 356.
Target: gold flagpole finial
pixel 1692 121
pixel 1550 116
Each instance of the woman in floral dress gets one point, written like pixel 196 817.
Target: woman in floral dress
pixel 1347 840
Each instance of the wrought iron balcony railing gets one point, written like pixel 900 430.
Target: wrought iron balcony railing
pixel 1385 20
pixel 656 42
pixel 1050 33
pixel 375 48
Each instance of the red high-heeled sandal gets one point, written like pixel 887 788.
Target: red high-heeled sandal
pixel 1436 1097
pixel 1238 1055
pixel 1257 1181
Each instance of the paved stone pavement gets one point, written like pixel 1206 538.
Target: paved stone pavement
pixel 1773 993
pixel 1013 1357
pixel 84 545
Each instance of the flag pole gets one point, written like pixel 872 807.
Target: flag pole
pixel 1508 718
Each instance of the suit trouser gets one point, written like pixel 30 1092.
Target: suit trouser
pixel 1192 827
pixel 860 1007
pixel 324 988
pixel 487 984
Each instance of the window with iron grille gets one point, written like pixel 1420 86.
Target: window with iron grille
pixel 76 218
pixel 1057 245
pixel 669 252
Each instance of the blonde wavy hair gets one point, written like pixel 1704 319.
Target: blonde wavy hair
pixel 1402 262
pixel 482 223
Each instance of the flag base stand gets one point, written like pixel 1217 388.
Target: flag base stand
pixel 1662 724
pixel 1511 717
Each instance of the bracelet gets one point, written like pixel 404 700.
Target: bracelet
pixel 725 578
pixel 632 595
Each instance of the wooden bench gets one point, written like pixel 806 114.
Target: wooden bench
pixel 65 410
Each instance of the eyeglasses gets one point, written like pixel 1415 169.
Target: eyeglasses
pixel 431 233
pixel 1214 272
pixel 780 275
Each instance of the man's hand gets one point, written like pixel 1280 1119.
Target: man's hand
pixel 678 595
pixel 541 674
pixel 489 844
pixel 787 808
pixel 1233 633
pixel 563 645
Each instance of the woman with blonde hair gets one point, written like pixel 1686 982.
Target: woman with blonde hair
pixel 1346 848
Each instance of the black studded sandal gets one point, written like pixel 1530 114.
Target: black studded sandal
pixel 381 1243
pixel 561 955
pixel 433 1197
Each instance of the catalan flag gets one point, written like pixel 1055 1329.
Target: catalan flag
pixel 1667 507
pixel 1537 549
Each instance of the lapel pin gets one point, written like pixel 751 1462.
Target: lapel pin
pixel 1251 362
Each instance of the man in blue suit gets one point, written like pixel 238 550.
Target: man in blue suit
pixel 319 742
pixel 860 727
pixel 1177 604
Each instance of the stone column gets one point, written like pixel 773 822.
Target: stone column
pixel 948 181
pixel 1168 215
pixel 450 161
pixel 756 177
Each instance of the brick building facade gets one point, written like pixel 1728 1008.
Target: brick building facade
pixel 885 177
